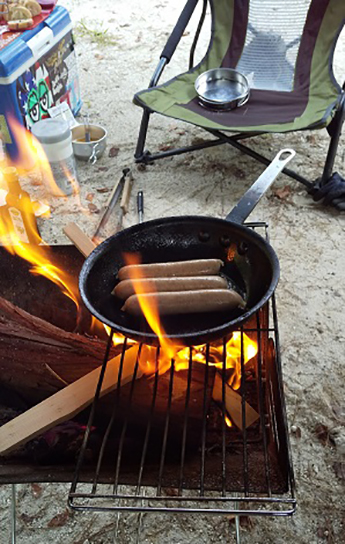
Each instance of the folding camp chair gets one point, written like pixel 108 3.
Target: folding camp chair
pixel 286 48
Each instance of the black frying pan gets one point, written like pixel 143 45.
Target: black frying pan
pixel 251 266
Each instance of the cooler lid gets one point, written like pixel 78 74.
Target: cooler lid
pixel 31 45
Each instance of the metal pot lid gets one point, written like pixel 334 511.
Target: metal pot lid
pixel 222 87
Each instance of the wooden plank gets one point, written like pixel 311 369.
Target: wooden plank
pixel 79 239
pixel 66 403
pixel 233 403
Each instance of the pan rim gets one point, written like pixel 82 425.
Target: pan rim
pixel 185 338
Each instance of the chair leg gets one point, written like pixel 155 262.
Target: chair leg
pixel 234 142
pixel 335 132
pixel 139 154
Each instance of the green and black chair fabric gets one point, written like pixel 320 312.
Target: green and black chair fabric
pixel 286 50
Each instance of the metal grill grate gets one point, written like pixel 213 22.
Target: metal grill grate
pixel 191 461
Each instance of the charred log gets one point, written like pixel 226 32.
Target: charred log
pixel 37 358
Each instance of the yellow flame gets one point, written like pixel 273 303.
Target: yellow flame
pixel 38 253
pixel 31 153
pixel 97 327
pixel 150 311
pixel 73 180
pixel 181 355
pixel 228 421
pixel 233 352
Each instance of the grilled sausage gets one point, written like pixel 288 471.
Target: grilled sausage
pixel 126 288
pixel 187 302
pixel 198 267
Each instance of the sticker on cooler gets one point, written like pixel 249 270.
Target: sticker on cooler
pixel 51 80
pixel 18 225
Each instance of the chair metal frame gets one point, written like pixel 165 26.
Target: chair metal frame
pixel 146 157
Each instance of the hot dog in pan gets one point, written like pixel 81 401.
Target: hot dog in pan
pixel 187 302
pixel 126 288
pixel 177 295
pixel 197 267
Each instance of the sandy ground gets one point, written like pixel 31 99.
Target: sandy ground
pixel 311 296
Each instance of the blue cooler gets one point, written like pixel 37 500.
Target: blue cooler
pixel 37 71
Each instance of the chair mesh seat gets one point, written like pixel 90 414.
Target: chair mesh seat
pixel 274 33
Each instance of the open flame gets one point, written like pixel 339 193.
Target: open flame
pixel 233 356
pixel 97 328
pixel 228 421
pixel 37 254
pixel 171 350
pixel 31 154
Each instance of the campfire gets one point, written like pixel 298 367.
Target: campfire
pixel 167 406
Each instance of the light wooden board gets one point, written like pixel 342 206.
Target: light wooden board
pixel 79 239
pixel 233 403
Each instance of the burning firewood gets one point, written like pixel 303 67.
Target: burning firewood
pixel 68 402
pixel 233 403
pixel 196 395
pixel 73 398
pixel 38 358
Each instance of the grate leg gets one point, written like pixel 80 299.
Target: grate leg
pixel 140 524
pixel 140 521
pixel 13 514
pixel 237 524
pixel 237 528
pixel 116 529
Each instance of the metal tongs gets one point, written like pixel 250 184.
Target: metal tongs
pixel 123 187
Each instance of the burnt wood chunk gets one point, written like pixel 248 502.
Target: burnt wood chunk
pixel 233 403
pixel 158 397
pixel 37 358
pixel 66 403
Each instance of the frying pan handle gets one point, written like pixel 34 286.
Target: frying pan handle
pixel 248 202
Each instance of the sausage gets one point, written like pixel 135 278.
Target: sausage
pixel 187 302
pixel 198 267
pixel 126 288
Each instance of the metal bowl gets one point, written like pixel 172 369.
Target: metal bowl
pixel 89 151
pixel 222 89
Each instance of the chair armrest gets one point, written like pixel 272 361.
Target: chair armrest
pixel 158 72
pixel 179 29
